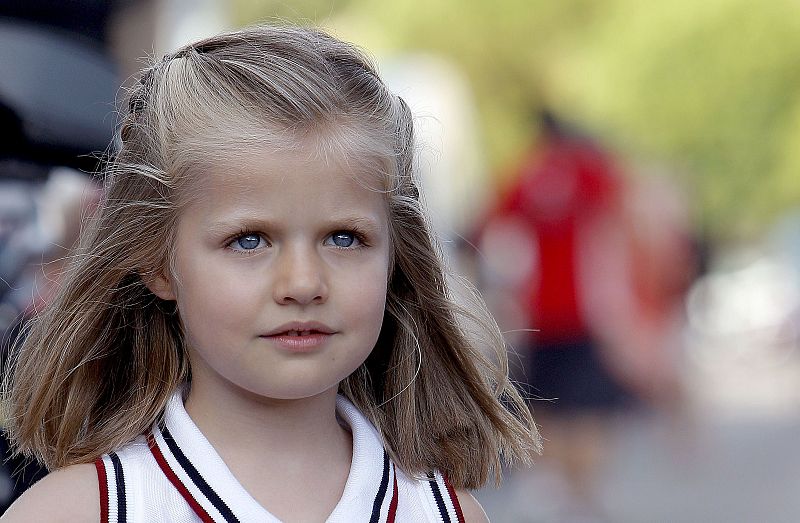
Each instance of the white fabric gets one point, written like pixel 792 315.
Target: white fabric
pixel 150 496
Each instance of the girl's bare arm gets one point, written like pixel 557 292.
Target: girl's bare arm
pixel 69 495
pixel 473 511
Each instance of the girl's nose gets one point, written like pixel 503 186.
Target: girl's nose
pixel 300 278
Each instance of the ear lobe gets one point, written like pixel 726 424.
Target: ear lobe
pixel 160 285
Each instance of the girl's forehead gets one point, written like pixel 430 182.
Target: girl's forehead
pixel 285 186
pixel 255 166
pixel 235 159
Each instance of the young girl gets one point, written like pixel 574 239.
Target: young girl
pixel 258 326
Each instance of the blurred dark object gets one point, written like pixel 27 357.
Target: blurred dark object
pixel 17 473
pixel 57 96
pixel 58 86
pixel 86 18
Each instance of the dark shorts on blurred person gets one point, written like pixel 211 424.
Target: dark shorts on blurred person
pixel 571 377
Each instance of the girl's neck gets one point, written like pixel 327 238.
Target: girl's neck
pixel 237 421
pixel 279 450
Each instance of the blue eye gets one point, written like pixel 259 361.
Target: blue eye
pixel 343 239
pixel 247 242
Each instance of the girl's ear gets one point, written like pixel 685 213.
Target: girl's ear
pixel 161 285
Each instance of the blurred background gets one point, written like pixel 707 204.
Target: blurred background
pixel 619 179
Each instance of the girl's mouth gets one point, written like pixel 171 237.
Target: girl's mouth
pixel 298 333
pixel 299 329
pixel 300 337
pixel 299 341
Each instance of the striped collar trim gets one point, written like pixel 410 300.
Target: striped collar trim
pixel 196 470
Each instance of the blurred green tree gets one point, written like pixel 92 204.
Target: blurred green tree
pixel 709 88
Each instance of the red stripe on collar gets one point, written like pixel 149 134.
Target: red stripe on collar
pixel 393 504
pixel 173 478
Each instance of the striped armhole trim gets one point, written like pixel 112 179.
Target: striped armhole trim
pixel 454 499
pixel 102 482
pixel 111 480
pixel 445 498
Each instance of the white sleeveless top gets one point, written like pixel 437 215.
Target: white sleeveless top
pixel 173 474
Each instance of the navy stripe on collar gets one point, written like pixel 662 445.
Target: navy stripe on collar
pixel 378 503
pixel 197 478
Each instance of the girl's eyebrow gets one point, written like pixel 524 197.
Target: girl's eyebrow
pixel 356 221
pixel 235 224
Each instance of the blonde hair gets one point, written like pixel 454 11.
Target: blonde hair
pixel 97 366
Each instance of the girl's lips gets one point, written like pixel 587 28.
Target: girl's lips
pixel 300 336
pixel 305 342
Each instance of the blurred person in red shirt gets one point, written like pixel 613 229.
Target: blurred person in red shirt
pixel 563 258
pixel 540 247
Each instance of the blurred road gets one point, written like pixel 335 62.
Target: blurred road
pixel 714 472
pixel 731 457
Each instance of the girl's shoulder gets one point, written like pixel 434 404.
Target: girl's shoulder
pixel 67 495
pixel 470 507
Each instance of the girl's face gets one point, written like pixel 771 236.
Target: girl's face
pixel 280 273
